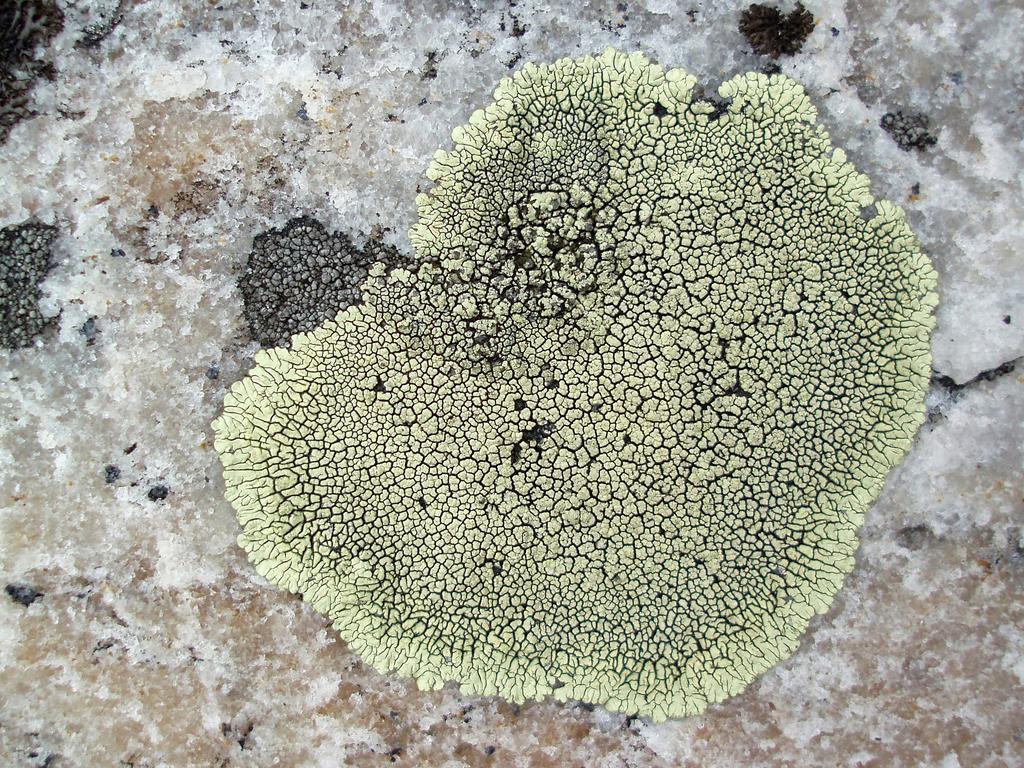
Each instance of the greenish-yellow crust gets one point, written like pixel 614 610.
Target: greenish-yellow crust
pixel 614 439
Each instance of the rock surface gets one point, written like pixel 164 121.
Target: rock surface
pixel 171 135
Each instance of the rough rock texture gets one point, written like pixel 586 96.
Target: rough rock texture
pixel 164 149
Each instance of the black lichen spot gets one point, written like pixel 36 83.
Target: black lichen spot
pixel 25 259
pixel 518 28
pixel 719 106
pixel 772 33
pixel 90 331
pixel 538 432
pixel 909 130
pixel 956 391
pixel 22 594
pixel 613 24
pixel 430 68
pixel 241 732
pixel 301 275
pixel 213 372
pixel 534 435
pixel 25 25
pixel 947 383
pixel 111 472
pixel 1007 319
pixel 489 749
pixel 104 17
pixel 158 492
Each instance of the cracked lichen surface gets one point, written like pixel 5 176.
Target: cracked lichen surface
pixel 613 440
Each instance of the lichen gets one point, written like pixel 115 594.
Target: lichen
pixel 24 26
pixel 300 275
pixel 910 130
pixel 25 260
pixel 612 440
pixel 770 32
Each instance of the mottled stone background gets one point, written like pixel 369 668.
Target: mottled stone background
pixel 161 138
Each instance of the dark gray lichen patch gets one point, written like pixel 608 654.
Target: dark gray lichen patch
pixel 25 259
pixel 910 130
pixel 24 26
pixel 301 275
pixel 770 32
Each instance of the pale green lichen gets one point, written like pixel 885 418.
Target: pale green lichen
pixel 614 439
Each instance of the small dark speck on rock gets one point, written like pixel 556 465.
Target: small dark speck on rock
pixel 834 31
pixel 430 68
pixel 90 330
pixel 772 33
pixel 489 749
pixel 914 537
pixel 518 28
pixel 1007 319
pixel 22 594
pixel 158 492
pixel 130 448
pixel 213 372
pixel 909 130
pixel 111 472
